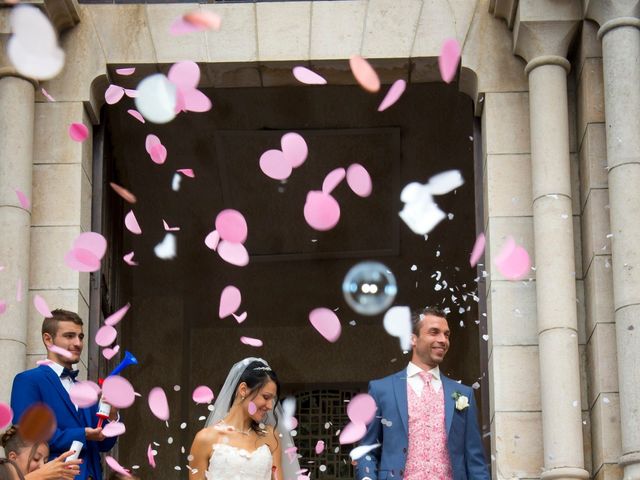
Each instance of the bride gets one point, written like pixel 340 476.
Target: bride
pixel 242 438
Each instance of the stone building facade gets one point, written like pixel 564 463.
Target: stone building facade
pixel 556 85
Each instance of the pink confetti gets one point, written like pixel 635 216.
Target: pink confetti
pixel 19 290
pixel 361 408
pixel 60 351
pixel 319 447
pixel 114 429
pixel 87 252
pixel 212 240
pixel 92 242
pixel 150 457
pixel 478 250
pixel 131 222
pixel 22 198
pixel 252 408
pixel 253 342
pixel 230 300
pixel 131 93
pixel 449 59
pixel 117 391
pixel 187 172
pixel 158 403
pixel 352 432
pixel 204 19
pixel 274 165
pixel 513 261
pixel 109 353
pixel 126 71
pixel 116 316
pixel 46 361
pixel 41 306
pixel 186 76
pixel 195 21
pixel 3 306
pixel 84 394
pixel 47 95
pixel 321 211
pixel 167 228
pixel 332 180
pixel 231 226
pixel 126 195
pixel 294 148
pixel 202 394
pixel 292 453
pixel 393 95
pixel 113 94
pixel 128 259
pixel 158 154
pixel 106 335
pixel 359 180
pixel 326 323
pixel 6 415
pixel 364 73
pixel 308 77
pixel 116 467
pixel 233 253
pixel 136 114
pixel 78 132
pixel 81 260
pixel 240 318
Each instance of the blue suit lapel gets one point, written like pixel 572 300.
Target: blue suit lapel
pixel 449 387
pixel 400 390
pixel 64 395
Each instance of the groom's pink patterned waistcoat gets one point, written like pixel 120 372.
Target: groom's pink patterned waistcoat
pixel 428 457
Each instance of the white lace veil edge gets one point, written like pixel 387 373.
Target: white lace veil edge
pixel 290 468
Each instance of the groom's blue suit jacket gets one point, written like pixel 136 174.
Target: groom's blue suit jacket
pixel 42 385
pixel 388 461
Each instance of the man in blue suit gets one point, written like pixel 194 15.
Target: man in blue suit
pixel 50 384
pixel 426 424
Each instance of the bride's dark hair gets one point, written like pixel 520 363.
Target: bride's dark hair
pixel 256 376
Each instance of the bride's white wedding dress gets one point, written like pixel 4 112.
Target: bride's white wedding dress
pixel 229 463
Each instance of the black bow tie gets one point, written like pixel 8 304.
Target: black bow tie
pixel 72 374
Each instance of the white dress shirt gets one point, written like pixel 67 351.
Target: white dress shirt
pixel 416 383
pixel 67 383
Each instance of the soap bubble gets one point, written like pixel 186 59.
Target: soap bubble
pixel 369 288
pixel 156 99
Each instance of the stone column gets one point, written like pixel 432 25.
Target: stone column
pixel 621 63
pixel 16 152
pixel 542 35
pixel 555 269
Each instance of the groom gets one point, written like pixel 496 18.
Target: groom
pixel 426 423
pixel 51 383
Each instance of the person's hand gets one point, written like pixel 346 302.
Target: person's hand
pixel 57 469
pixel 94 434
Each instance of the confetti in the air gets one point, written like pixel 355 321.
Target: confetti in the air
pixel 449 59
pixel 393 95
pixel 309 77
pixel 326 322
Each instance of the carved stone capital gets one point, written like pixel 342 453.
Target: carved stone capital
pixel 604 11
pixel 545 28
pixel 505 9
pixel 62 13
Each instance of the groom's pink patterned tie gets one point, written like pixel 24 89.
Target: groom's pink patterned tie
pixel 428 457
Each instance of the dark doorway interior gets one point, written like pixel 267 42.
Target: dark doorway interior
pixel 173 327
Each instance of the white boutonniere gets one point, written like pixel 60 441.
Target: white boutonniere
pixel 462 401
